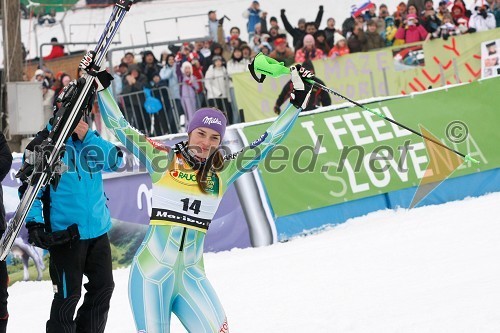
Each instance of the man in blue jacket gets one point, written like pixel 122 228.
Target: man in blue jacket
pixel 72 223
pixel 253 15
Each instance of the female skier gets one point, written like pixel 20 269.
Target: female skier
pixel 189 179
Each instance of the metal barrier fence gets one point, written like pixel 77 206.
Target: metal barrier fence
pixel 178 104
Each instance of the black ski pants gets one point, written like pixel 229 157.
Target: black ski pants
pixel 4 282
pixel 68 264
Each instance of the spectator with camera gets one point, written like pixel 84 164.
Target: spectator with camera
pixel 412 31
pixel 481 20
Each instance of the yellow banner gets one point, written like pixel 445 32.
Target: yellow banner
pixel 386 72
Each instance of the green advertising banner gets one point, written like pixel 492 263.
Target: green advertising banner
pixel 346 154
pixel 386 72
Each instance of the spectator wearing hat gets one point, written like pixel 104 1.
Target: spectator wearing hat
pixel 252 13
pixel 217 85
pixel 188 90
pixel 49 76
pixel 274 24
pixel 429 18
pixel 213 25
pixel 412 31
pixel 481 20
pixel 318 98
pixel 309 51
pixel 320 40
pixel 39 76
pixel 467 12
pixel 389 33
pixel 299 32
pixel 265 48
pixel 282 52
pixel 340 48
pixel 48 100
pixel 372 39
pixel 459 17
pixel 57 50
pixel 442 10
pixel 215 50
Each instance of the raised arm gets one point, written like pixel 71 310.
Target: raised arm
pixel 152 156
pixel 250 156
pixel 155 157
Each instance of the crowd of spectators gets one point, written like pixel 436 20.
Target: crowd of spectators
pixel 198 73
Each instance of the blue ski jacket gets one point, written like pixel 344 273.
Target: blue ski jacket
pixel 253 18
pixel 79 197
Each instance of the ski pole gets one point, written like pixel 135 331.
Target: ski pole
pixel 269 66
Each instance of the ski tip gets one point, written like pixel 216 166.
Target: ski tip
pixel 468 158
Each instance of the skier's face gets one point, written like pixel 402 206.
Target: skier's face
pixel 203 141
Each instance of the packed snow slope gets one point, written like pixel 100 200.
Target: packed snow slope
pixel 430 269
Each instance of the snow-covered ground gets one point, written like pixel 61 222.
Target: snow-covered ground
pixel 430 269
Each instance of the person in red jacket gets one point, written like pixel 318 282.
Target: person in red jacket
pixel 57 50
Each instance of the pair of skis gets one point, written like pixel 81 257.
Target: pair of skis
pixel 44 168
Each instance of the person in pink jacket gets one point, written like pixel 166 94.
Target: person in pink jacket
pixel 412 32
pixel 309 51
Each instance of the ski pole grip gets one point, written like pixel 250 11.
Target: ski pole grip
pixel 267 66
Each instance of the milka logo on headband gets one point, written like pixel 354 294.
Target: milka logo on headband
pixel 211 120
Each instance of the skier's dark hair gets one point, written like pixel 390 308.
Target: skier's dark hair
pixel 213 163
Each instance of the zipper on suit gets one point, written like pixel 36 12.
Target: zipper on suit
pixel 181 247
